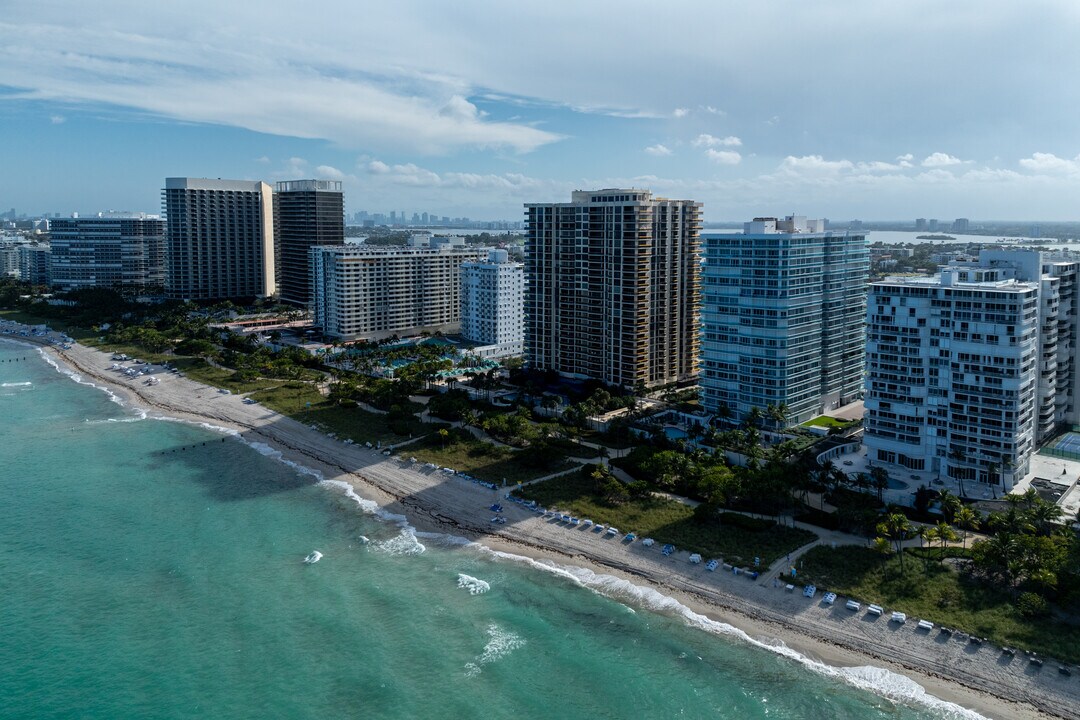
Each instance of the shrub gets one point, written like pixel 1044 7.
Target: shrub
pixel 1031 605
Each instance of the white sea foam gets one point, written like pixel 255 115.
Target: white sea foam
pixel 79 379
pixel 16 384
pixel 404 543
pixel 475 586
pixel 877 680
pixel 500 644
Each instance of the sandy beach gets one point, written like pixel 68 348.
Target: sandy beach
pixel 979 678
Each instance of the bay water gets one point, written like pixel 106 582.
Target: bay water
pixel 154 569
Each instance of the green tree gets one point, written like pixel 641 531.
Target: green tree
pixel 966 519
pixel 896 528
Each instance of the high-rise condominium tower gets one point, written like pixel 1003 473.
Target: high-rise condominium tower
pixel 968 372
pixel 219 239
pixel 612 287
pixel 785 303
pixel 492 304
pixel 372 293
pixel 309 213
pixel 114 251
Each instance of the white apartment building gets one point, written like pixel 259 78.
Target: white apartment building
pixel 372 293
pixel 970 371
pixel 783 318
pixel 492 305
pixel 35 262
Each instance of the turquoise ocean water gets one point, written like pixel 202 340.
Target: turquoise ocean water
pixel 142 580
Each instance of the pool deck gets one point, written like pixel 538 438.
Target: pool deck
pixel 1056 470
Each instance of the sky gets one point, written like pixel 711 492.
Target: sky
pixel 834 108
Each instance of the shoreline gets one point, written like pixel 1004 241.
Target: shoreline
pixel 436 503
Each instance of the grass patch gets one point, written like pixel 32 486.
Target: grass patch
pixel 78 333
pixel 827 422
pixel 303 403
pixel 483 460
pixel 938 593
pixel 736 538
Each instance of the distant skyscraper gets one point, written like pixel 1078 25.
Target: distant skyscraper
pixel 784 314
pixel 932 225
pixel 107 252
pixel 492 304
pixel 920 224
pixel 309 213
pixel 612 287
pixel 219 239
pixel 961 225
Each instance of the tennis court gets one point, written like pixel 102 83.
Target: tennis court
pixel 1066 446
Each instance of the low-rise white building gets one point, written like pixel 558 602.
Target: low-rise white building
pixel 372 293
pixel 493 305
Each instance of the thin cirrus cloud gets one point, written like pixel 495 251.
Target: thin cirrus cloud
pixel 658 150
pixel 187 80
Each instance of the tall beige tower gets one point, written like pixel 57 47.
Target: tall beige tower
pixel 219 239
pixel 613 287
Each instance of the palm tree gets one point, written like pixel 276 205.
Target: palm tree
pixel 945 535
pixel 897 528
pixel 882 548
pixel 950 505
pixel 966 519
pixel 753 418
pixel 778 414
pixel 725 413
pixel 958 455
pixel 879 476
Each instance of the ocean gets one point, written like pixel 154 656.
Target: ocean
pixel 154 569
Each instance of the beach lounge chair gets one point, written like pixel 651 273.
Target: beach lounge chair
pixel 789 587
pixel 874 609
pixel 712 565
pixel 852 605
pixel 668 549
pixel 809 591
pixel 648 542
pixel 898 617
pixel 926 625
pixel 829 598
pixel 695 558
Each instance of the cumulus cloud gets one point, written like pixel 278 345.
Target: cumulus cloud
pixel 814 164
pixel 681 112
pixel 940 159
pixel 1051 164
pixel 328 172
pixel 707 140
pixel 905 160
pixel 713 110
pixel 723 157
pixel 658 150
pixel 57 119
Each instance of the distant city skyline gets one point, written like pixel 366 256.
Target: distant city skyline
pixel 852 110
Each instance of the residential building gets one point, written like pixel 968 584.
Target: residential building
pixel 308 213
pixel 785 304
pixel 970 371
pixel 492 305
pixel 34 263
pixel 612 287
pixel 113 252
pixel 961 225
pixel 219 239
pixel 9 260
pixel 372 293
